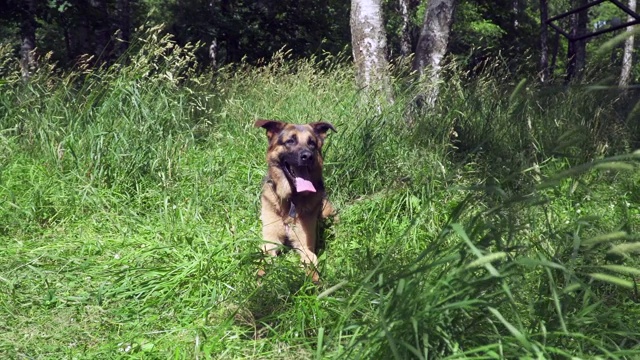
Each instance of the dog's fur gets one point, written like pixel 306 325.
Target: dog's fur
pixel 290 215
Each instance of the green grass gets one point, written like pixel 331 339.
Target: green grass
pixel 503 224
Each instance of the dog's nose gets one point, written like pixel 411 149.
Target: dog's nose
pixel 306 157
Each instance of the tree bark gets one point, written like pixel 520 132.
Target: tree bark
pixel 213 54
pixel 544 44
pixel 627 56
pixel 516 13
pixel 405 32
pixel 554 54
pixel 28 38
pixel 369 42
pixel 581 45
pixel 432 44
pixel 577 50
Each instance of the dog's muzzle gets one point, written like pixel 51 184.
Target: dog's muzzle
pixel 300 174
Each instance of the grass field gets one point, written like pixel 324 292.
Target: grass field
pixel 502 224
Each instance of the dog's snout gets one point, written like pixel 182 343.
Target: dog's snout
pixel 306 157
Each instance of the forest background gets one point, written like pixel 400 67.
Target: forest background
pixel 487 188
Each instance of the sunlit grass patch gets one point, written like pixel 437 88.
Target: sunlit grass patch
pixel 492 226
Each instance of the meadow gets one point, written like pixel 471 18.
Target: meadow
pixel 502 223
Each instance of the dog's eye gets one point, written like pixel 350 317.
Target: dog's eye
pixel 290 141
pixel 312 144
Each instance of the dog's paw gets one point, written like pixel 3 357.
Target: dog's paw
pixel 259 275
pixel 328 211
pixel 315 277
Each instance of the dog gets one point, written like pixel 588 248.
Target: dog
pixel 293 196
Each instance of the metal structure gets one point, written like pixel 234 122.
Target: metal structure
pixel 622 25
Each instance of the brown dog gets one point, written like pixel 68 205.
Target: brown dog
pixel 293 196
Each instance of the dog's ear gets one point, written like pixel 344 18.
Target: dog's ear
pixel 321 128
pixel 273 127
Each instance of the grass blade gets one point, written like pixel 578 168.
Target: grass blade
pixel 612 280
pixel 512 329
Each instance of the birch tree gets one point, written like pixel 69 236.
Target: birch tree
pixel 432 45
pixel 627 58
pixel 369 42
pixel 405 37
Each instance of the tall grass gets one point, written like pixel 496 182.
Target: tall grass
pixel 503 223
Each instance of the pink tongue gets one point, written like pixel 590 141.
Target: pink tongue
pixel 304 185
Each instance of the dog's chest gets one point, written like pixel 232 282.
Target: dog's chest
pixel 307 205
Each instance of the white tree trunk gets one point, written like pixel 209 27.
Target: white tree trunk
pixel 405 38
pixel 627 57
pixel 213 54
pixel 432 44
pixel 369 42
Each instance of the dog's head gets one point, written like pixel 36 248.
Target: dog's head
pixel 296 150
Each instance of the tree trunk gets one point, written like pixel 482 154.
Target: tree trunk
pixel 627 58
pixel 28 38
pixel 544 45
pixel 516 13
pixel 369 42
pixel 554 54
pixel 123 25
pixel 405 30
pixel 577 50
pixel 213 54
pixel 432 44
pixel 581 45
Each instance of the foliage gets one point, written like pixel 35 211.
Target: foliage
pixel 129 202
pixel 255 30
pixel 485 30
pixel 252 31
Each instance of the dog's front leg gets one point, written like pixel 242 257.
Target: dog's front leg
pixel 328 210
pixel 273 230
pixel 303 240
